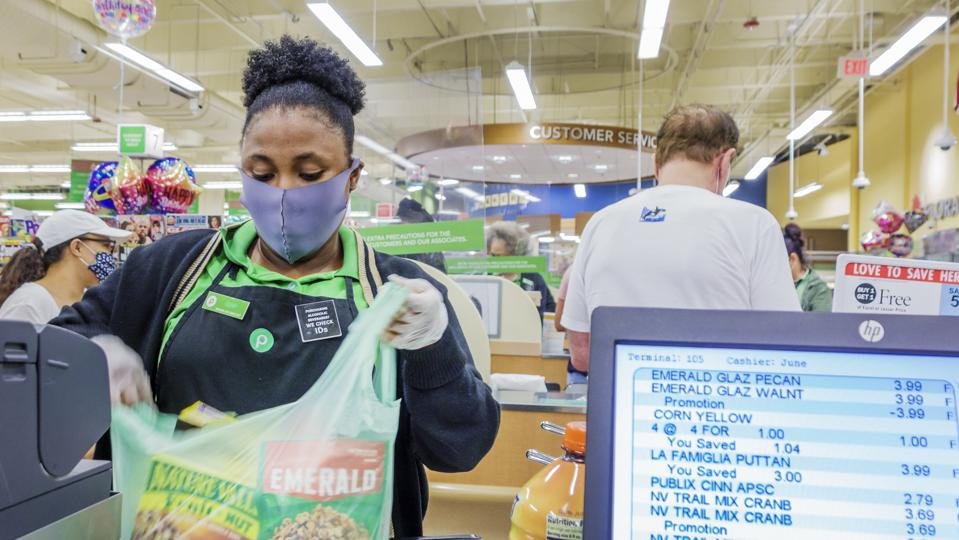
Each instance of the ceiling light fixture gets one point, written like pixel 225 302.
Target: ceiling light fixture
pixel 223 185
pixel 111 147
pixel 214 168
pixel 386 181
pixel 414 188
pixel 913 37
pixel 519 81
pixel 39 196
pixel 579 190
pixel 654 23
pixel 69 206
pixel 478 168
pixel 359 214
pixel 601 168
pixel 730 188
pixel 446 182
pixel 547 239
pixel 384 151
pixel 44 116
pixel 810 123
pixel 499 159
pixel 761 165
pixel 19 169
pixel 812 187
pixel 130 55
pixel 564 159
pixel 65 184
pixel 515 176
pixel 339 28
pixel 384 220
pixel 525 194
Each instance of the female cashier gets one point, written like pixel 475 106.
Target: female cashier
pixel 212 315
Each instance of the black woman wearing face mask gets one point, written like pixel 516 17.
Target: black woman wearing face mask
pixel 245 349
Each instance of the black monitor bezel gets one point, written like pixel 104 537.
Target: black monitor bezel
pixel 822 332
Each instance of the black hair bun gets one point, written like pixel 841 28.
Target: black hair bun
pixel 794 233
pixel 290 60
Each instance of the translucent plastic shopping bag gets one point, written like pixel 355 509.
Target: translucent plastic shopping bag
pixel 321 467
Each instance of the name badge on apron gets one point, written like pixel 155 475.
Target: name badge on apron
pixel 318 320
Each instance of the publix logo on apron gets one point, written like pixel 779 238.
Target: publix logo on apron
pixel 261 340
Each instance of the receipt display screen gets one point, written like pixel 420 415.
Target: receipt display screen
pixel 715 443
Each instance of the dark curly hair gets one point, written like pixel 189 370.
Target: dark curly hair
pixel 291 73
pixel 28 264
pixel 795 242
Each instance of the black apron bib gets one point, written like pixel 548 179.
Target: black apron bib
pixel 210 357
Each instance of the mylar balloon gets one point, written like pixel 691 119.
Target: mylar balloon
pixel 130 195
pixel 125 18
pixel 914 219
pixel 874 242
pixel 98 196
pixel 172 185
pixel 900 245
pixel 889 222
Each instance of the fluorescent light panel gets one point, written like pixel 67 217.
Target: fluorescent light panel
pixel 807 189
pixel 761 165
pixel 111 147
pixel 525 194
pixel 145 62
pixel 918 33
pixel 359 214
pixel 69 206
pixel 39 196
pixel 214 168
pixel 809 124
pixel 579 190
pixel 654 23
pixel 44 116
pixel 335 24
pixel 446 182
pixel 414 189
pixel 516 75
pixel 223 185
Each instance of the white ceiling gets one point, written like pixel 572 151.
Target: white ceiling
pixel 582 51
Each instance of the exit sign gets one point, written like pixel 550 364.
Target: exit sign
pixel 853 67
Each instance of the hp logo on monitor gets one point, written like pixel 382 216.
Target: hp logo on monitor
pixel 872 331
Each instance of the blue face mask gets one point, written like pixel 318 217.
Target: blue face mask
pixel 297 222
pixel 103 265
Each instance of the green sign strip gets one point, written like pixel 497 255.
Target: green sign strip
pixel 426 237
pixel 496 265
pixel 79 181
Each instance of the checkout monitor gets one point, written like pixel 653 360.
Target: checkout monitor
pixel 751 425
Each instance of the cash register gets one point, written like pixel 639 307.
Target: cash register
pixel 54 405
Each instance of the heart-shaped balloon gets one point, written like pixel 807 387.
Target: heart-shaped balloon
pixel 129 192
pixel 874 242
pixel 914 219
pixel 172 185
pixel 900 245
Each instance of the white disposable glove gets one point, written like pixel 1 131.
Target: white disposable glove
pixel 129 382
pixel 422 319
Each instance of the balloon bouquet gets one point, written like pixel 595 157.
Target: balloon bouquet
pixel 169 187
pixel 889 221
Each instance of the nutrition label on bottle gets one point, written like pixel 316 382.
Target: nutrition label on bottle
pixel 768 446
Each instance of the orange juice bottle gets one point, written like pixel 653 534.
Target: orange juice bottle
pixel 550 505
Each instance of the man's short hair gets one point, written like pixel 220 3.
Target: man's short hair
pixel 697 133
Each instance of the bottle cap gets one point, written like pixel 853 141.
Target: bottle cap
pixel 575 438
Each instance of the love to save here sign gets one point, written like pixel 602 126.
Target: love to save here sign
pixel 895 286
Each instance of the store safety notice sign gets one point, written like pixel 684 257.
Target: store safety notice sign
pixel 896 286
pixel 441 236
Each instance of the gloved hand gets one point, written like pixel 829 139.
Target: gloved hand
pixel 423 318
pixel 129 382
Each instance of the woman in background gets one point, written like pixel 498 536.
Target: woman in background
pixel 72 252
pixel 814 294
pixel 508 239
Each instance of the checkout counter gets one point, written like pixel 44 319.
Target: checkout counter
pixel 480 501
pixel 54 405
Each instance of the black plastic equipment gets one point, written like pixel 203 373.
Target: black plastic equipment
pixel 54 405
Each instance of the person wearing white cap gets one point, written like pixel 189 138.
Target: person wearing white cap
pixel 72 251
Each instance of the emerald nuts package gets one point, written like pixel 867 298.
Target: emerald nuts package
pixel 320 467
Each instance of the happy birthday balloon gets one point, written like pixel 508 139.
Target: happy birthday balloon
pixel 130 193
pixel 125 18
pixel 98 198
pixel 914 219
pixel 873 242
pixel 172 185
pixel 900 245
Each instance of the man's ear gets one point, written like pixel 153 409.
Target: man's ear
pixel 728 157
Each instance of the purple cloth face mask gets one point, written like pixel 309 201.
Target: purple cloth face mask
pixel 297 222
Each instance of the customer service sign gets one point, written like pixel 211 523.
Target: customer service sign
pixel 895 286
